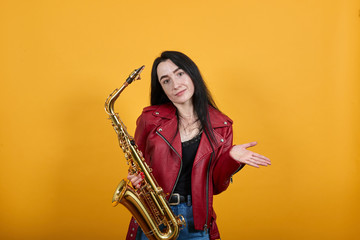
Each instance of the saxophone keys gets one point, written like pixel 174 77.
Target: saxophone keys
pixel 124 146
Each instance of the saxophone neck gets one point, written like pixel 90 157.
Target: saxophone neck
pixel 110 101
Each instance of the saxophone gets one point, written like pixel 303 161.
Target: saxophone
pixel 147 204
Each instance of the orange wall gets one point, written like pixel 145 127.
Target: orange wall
pixel 287 73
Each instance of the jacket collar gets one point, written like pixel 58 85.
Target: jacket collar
pixel 168 111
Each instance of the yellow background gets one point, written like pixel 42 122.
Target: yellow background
pixel 286 71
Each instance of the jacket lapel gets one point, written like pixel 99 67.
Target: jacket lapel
pixel 206 148
pixel 217 121
pixel 168 128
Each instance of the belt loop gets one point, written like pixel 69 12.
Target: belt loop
pixel 188 202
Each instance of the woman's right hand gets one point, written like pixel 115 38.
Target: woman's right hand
pixel 136 179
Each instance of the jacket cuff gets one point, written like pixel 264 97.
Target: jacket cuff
pixel 231 165
pixel 224 171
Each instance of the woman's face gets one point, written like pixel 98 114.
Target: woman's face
pixel 176 83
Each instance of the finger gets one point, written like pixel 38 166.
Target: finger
pixel 259 161
pixel 250 163
pixel 138 181
pixel 261 156
pixel 250 144
pixel 267 161
pixel 130 176
pixel 133 178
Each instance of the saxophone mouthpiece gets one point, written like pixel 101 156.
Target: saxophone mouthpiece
pixel 135 75
pixel 139 70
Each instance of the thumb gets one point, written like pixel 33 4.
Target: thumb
pixel 250 144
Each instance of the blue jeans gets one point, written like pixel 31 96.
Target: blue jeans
pixel 187 232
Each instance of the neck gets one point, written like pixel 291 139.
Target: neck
pixel 186 111
pixel 189 126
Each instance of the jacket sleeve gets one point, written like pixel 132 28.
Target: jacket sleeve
pixel 141 133
pixel 225 166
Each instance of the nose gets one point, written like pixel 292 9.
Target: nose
pixel 176 83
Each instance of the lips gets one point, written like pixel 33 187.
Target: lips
pixel 180 93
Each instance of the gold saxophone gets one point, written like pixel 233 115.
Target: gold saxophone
pixel 147 204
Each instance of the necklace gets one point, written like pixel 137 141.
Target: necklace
pixel 188 129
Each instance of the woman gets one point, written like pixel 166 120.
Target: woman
pixel 187 142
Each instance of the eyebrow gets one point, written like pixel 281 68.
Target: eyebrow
pixel 167 75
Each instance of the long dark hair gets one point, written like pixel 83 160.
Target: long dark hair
pixel 202 97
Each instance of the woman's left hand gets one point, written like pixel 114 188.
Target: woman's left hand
pixel 241 154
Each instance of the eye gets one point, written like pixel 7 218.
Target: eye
pixel 180 73
pixel 165 81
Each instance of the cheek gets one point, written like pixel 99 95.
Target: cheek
pixel 166 90
pixel 192 87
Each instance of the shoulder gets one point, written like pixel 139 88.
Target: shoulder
pixel 158 112
pixel 219 119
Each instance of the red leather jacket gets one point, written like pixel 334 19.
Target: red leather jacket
pixel 157 137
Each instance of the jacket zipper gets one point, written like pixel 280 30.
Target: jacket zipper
pixel 207 193
pixel 178 176
pixel 207 184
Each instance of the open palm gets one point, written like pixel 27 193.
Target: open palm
pixel 243 155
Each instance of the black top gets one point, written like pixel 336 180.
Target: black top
pixel 189 149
